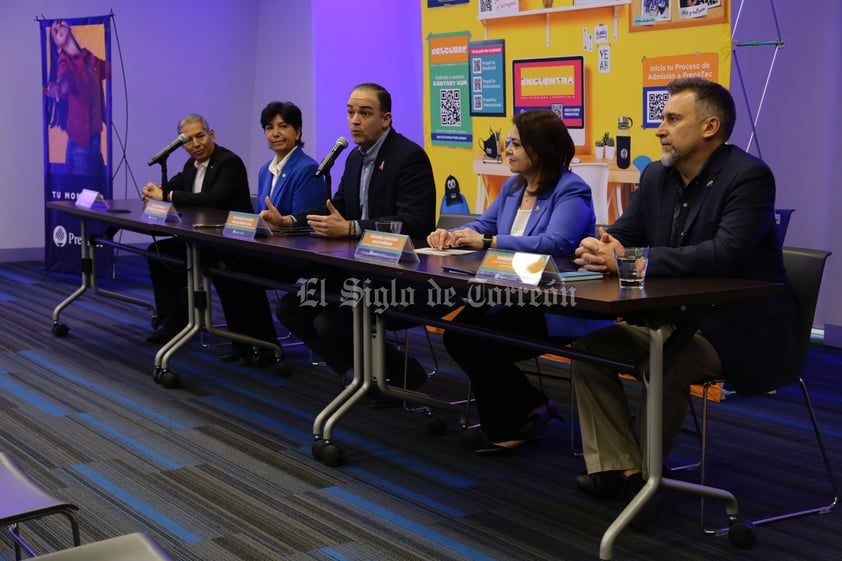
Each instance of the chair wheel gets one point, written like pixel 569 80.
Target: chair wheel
pixel 331 455
pixel 742 533
pixel 60 329
pixel 168 379
pixel 437 425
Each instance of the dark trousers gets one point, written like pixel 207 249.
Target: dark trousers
pixel 244 304
pixel 328 331
pixel 169 283
pixel 504 396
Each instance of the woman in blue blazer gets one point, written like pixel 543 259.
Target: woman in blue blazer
pixel 546 209
pixel 289 179
pixel 288 182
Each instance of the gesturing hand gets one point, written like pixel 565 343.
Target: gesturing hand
pixel 273 217
pixel 331 225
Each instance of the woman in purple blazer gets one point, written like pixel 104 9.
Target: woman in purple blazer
pixel 546 209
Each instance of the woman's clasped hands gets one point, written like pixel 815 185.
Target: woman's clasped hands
pixel 464 238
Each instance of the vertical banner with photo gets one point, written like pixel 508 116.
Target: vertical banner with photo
pixel 488 77
pixel 450 90
pixel 76 77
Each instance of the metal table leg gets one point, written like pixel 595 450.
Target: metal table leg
pixel 87 270
pixel 207 324
pixel 162 373
pixel 323 448
pixel 654 437
pixel 88 266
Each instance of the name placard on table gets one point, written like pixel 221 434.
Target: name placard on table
pixel 159 212
pixel 386 246
pixel 515 267
pixel 245 225
pixel 88 198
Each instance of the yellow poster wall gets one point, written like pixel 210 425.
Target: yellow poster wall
pixel 619 65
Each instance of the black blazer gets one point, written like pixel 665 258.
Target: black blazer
pixel 729 232
pixel 226 184
pixel 401 187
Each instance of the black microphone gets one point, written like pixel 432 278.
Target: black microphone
pixel 162 155
pixel 324 167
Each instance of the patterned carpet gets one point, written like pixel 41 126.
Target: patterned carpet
pixel 220 469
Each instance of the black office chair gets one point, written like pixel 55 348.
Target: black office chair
pixel 782 216
pixel 804 268
pixel 450 221
pixel 22 500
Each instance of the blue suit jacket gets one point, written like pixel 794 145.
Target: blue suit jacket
pixel 298 189
pixel 729 232
pixel 560 218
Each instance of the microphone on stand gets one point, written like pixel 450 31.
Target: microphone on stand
pixel 327 163
pixel 162 155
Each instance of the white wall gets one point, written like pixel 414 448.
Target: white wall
pixel 798 128
pixel 283 71
pixel 367 41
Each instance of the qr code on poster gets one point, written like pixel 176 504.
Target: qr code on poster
pixel 654 100
pixel 484 6
pixel 450 104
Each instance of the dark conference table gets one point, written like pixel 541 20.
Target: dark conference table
pixel 678 301
pixel 128 215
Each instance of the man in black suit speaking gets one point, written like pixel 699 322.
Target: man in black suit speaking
pixel 388 177
pixel 213 177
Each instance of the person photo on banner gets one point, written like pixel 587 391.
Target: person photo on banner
pixel 75 101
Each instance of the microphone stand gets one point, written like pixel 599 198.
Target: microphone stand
pixel 328 190
pixel 163 163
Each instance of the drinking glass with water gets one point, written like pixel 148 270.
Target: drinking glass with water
pixel 631 265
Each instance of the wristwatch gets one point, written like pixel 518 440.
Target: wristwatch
pixel 486 241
